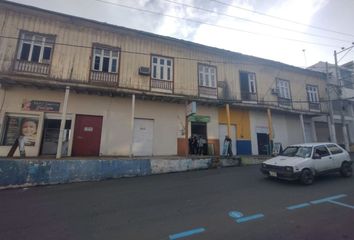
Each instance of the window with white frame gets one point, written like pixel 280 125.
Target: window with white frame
pixel 312 94
pixel 283 88
pixel 252 82
pixel 162 68
pixel 35 47
pixel 105 59
pixel 207 76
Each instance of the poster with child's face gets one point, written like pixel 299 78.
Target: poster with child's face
pixel 29 130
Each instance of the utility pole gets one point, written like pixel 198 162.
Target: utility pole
pixel 344 127
pixel 332 129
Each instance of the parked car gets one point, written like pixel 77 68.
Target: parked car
pixel 305 161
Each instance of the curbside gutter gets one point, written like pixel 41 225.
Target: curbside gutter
pixel 16 173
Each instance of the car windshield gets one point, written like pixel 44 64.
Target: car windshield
pixel 295 151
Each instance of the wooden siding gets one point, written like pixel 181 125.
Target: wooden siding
pixel 71 59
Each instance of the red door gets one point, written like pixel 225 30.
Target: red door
pixel 87 135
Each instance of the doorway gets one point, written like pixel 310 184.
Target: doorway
pixel 50 137
pixel 143 137
pixel 263 143
pixel 199 129
pixel 223 133
pixel 87 135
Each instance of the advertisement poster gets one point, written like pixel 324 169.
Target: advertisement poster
pixel 25 126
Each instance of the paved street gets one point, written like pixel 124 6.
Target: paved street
pixel 229 203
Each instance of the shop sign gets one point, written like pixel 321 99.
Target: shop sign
pixel 20 126
pixel 199 118
pixel 42 106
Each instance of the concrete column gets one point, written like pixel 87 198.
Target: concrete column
pixel 132 127
pixel 228 119
pixel 313 127
pixel 63 121
pixel 303 127
pixel 332 130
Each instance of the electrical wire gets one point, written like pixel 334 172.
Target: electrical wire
pixel 217 26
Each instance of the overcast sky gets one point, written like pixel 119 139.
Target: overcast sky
pixel 296 32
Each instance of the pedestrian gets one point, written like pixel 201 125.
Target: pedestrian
pixel 201 143
pixel 195 145
pixel 227 147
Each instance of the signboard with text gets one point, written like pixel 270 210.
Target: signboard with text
pixel 41 106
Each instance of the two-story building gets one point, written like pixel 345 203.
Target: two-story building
pixel 124 92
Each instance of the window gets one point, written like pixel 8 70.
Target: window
pixel 105 59
pixel 207 76
pixel 322 151
pixel 334 149
pixel 284 88
pixel 162 68
pixel 35 47
pixel 312 94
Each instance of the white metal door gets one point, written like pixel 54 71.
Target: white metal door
pixel 143 137
pixel 223 133
pixel 308 133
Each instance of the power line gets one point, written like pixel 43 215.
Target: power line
pixel 215 25
pixel 283 19
pixel 257 22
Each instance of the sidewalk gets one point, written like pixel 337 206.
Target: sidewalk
pixel 17 172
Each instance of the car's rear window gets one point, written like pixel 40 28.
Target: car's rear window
pixel 334 149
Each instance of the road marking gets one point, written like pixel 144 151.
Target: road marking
pixel 342 204
pixel 249 218
pixel 298 206
pixel 235 214
pixel 187 233
pixel 328 199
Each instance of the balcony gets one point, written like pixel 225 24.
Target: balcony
pixel 104 78
pixel 208 92
pixel 313 106
pixel 247 96
pixel 31 67
pixel 285 102
pixel 161 85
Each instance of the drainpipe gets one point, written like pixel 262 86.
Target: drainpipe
pixel 132 127
pixel 62 123
pixel 270 130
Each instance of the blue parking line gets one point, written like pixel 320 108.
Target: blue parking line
pixel 328 199
pixel 187 233
pixel 342 204
pixel 249 218
pixel 298 206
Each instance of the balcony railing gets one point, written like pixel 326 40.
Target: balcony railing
pixel 285 102
pixel 104 78
pixel 208 92
pixel 314 106
pixel 247 96
pixel 31 67
pixel 162 84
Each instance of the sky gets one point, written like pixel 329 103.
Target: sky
pixel 295 32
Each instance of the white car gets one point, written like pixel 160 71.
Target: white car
pixel 305 161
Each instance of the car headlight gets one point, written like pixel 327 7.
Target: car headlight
pixel 289 169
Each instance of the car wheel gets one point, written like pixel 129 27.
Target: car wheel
pixel 346 170
pixel 307 177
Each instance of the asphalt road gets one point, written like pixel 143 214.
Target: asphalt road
pixel 229 203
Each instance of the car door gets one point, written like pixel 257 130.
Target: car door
pixel 325 162
pixel 338 155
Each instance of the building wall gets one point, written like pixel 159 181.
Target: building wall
pixel 116 112
pixel 241 119
pixel 73 63
pixel 286 128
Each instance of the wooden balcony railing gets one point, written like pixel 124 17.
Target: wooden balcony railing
pixel 247 96
pixel 162 84
pixel 315 106
pixel 31 67
pixel 208 92
pixel 104 78
pixel 285 102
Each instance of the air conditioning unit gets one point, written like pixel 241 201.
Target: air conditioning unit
pixel 145 71
pixel 275 91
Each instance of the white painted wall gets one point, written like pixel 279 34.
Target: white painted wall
pixel 286 128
